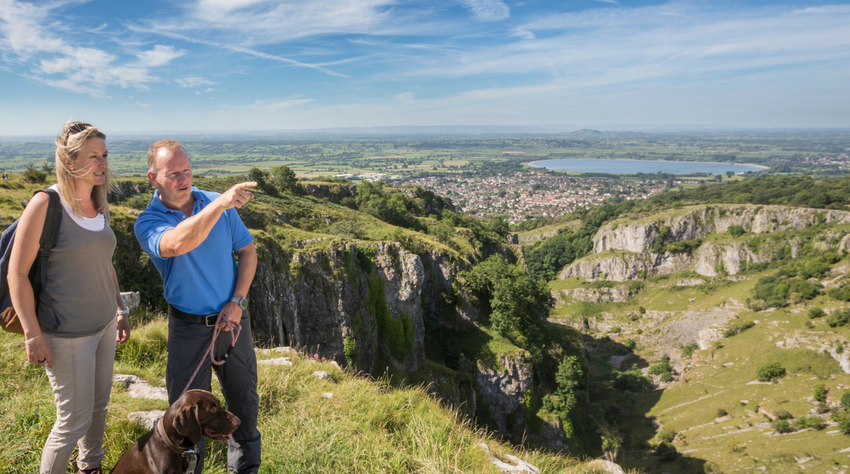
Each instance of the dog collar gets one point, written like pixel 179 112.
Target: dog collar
pixel 165 439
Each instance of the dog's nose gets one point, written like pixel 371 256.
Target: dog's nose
pixel 235 422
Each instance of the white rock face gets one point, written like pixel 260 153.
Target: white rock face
pixel 322 375
pixel 148 419
pixel 705 220
pixel 137 387
pixel 515 465
pixel 503 388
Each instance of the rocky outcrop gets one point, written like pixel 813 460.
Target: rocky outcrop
pixel 503 387
pixel 332 192
pixel 627 266
pixel 353 304
pixel 641 235
pixel 815 341
pixel 617 294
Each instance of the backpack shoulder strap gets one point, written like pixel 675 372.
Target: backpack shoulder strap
pixel 52 221
pixel 50 233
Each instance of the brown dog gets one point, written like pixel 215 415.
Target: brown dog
pixel 164 449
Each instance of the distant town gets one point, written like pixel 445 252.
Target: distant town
pixel 529 194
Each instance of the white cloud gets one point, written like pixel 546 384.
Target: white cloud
pixel 191 82
pixel 274 21
pixel 404 96
pixel 27 37
pixel 160 55
pixel 488 10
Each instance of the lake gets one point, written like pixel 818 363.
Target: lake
pixel 642 166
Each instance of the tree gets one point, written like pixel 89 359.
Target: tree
pixel 48 167
pixel 517 303
pixel 261 177
pixel 283 178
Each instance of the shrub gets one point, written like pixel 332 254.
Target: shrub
pixel 720 413
pixel 667 451
pixel 631 380
pixel 736 231
pixel 689 349
pixel 845 400
pixel 782 426
pixel 783 414
pixel 844 426
pixel 820 393
pixel 770 372
pixel 816 312
pixel 738 326
pixel 838 318
pixel 666 377
pixel 33 175
pixel 813 422
pixel 630 344
pixel 666 435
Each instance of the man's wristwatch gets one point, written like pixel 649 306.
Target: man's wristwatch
pixel 242 302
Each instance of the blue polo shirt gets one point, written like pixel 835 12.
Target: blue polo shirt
pixel 201 281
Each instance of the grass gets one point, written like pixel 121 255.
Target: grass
pixel 303 431
pixel 718 379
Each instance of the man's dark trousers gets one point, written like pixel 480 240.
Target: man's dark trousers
pixel 187 343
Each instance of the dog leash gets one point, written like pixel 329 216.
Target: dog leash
pixel 236 328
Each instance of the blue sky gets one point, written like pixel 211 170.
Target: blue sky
pixel 230 65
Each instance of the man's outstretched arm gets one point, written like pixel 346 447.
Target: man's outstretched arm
pixel 190 233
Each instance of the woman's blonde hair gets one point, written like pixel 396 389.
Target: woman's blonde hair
pixel 70 141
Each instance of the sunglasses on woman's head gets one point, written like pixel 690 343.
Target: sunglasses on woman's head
pixel 75 129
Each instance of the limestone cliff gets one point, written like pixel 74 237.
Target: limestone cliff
pixel 640 235
pixel 348 303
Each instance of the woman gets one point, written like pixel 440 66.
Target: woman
pixel 81 294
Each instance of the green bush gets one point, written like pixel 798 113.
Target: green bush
pixel 666 435
pixel 838 318
pixel 845 400
pixel 844 426
pixel 689 349
pixel 816 312
pixel 631 380
pixel 738 326
pixel 783 414
pixel 820 393
pixel 770 372
pixel 782 426
pixel 813 422
pixel 33 175
pixel 667 452
pixel 736 231
pixel 630 344
pixel 720 413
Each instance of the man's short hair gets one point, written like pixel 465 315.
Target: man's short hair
pixel 168 144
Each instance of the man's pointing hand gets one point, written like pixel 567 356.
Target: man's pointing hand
pixel 236 196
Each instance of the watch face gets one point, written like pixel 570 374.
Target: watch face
pixel 243 303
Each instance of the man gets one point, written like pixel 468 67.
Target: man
pixel 192 236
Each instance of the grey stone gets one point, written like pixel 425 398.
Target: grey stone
pixel 148 419
pixel 137 387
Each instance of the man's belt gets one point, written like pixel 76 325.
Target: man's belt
pixel 206 319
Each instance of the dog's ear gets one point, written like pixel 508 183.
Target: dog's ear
pixel 186 423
